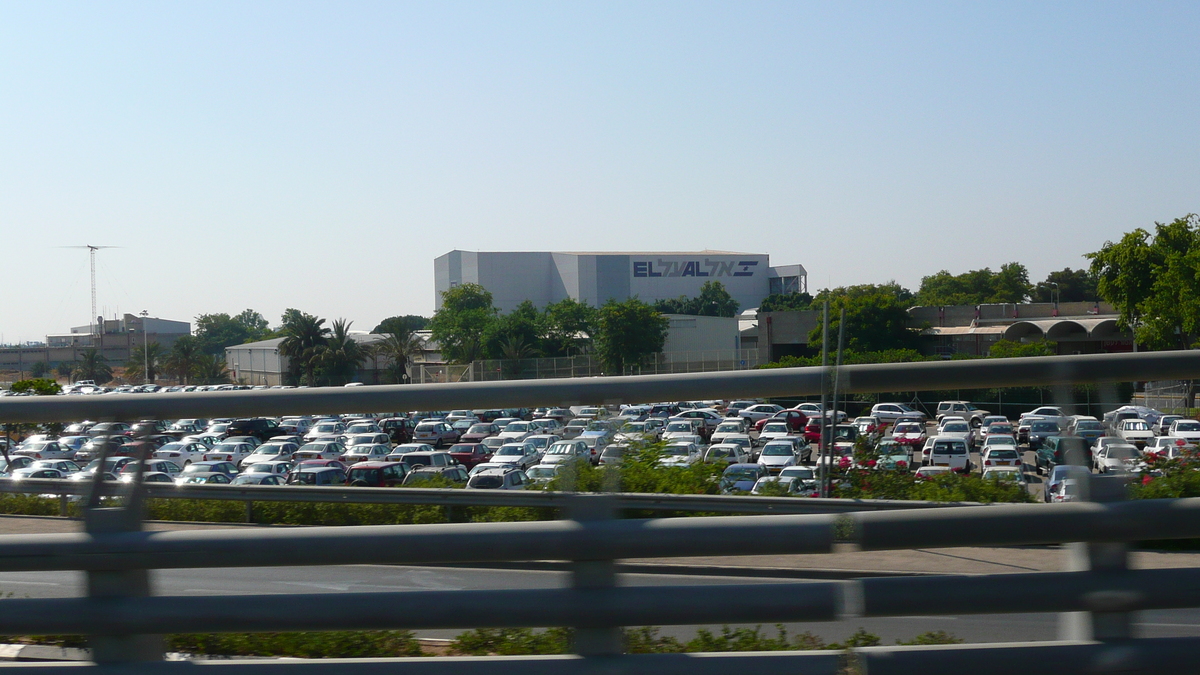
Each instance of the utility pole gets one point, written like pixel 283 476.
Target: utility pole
pixel 823 465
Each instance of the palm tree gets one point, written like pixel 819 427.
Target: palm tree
pixel 210 369
pixel 65 369
pixel 181 362
pixel 93 366
pixel 151 355
pixel 514 349
pixel 399 348
pixel 303 337
pixel 341 355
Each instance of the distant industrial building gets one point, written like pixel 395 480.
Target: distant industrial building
pixel 115 339
pixel 595 278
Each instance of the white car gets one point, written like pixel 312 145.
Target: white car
pixel 540 474
pixel 814 410
pixel 520 455
pixel 1117 458
pixel 279 467
pixel 760 411
pixel 324 429
pixel 636 432
pixel 774 430
pixel 1135 432
pixel 726 453
pixel 181 453
pixel 518 431
pixel 777 455
pixel 1006 473
pixel 1066 491
pixel 45 450
pixel 270 452
pixel 567 451
pixel 958 430
pixel 1167 445
pixel 729 428
pixel 543 441
pixel 949 451
pixel 932 471
pixel 374 452
pixel 228 452
pixel 1188 430
pixel 1049 414
pixel 64 466
pixel 678 428
pixel 679 454
pixel 890 412
pixel 1001 456
pixel 320 450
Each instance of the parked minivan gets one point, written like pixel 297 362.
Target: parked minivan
pixel 951 452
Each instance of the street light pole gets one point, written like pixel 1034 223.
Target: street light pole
pixel 145 349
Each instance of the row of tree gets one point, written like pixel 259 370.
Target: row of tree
pixel 469 327
pixel 329 355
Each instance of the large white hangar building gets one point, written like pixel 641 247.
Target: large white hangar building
pixel 594 278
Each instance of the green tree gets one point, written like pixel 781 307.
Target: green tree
pixel 93 366
pixel 65 368
pixel 341 354
pixel 786 302
pixel 1006 349
pixel 876 317
pixel 461 324
pixel 304 338
pixel 401 324
pixel 1072 286
pixel 398 348
pixel 37 386
pixel 38 369
pixel 713 300
pixel 524 325
pixel 1154 282
pixel 181 362
pixel 1010 284
pixel 627 333
pixel 210 369
pixel 569 325
pixel 152 354
pixel 215 332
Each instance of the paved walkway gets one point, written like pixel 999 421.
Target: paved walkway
pixel 974 560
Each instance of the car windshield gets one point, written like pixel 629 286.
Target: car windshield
pixel 956 428
pixel 950 448
pixel 680 426
pixel 634 427
pixel 1122 452
pixel 480 429
pixel 1093 426
pixel 1187 426
pixel 487 482
pixel 1001 440
pixel 1003 454
pixel 246 479
pixel 720 452
pixel 740 473
pixel 1135 425
pixel 908 428
pixel 268 449
pixel 771 450
pixel 517 426
pixel 1044 426
pixel 541 472
pixel 510 450
pixel 797 473
pixel 227 447
pixel 676 450
pixel 325 428
pixel 1000 429
pixel 172 446
pixel 261 468
pixel 729 426
pixel 775 427
pixel 598 426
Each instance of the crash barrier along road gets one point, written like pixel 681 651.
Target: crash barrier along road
pixel 1097 596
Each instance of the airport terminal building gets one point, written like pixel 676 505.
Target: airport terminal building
pixel 544 278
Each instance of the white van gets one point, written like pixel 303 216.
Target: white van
pixel 950 451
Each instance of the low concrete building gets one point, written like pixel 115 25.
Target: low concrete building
pixel 117 338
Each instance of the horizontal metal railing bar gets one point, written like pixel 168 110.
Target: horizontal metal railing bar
pixel 864 378
pixel 794 663
pixel 1145 656
pixel 417 544
pixel 629 606
pixel 458 497
pixel 1023 524
pixel 1127 591
pixel 1124 591
pixel 605 540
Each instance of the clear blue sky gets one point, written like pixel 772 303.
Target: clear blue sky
pixel 321 155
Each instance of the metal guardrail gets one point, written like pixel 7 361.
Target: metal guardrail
pixel 888 377
pixel 1096 596
pixel 455 498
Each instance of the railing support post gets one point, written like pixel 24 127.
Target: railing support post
pixel 1106 622
pixel 595 576
pixel 119 583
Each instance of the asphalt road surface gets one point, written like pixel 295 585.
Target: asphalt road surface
pixel 382 578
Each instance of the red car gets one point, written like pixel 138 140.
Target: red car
pixel 796 420
pixel 812 430
pixel 377 474
pixel 470 454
